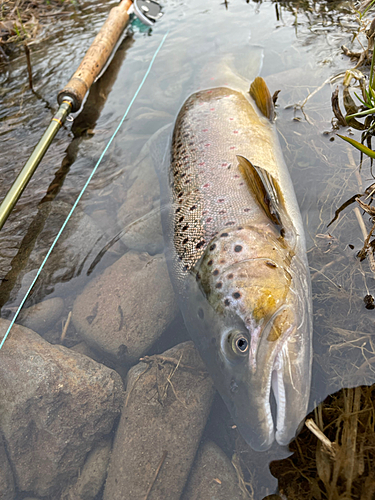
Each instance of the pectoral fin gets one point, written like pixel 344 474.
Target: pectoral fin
pixel 263 187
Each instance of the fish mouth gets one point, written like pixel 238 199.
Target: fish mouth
pixel 285 370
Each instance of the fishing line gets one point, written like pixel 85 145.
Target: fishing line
pixel 84 188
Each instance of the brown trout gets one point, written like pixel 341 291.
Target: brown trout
pixel 237 259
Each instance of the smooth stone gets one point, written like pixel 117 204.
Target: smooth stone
pixel 41 316
pixel 93 474
pixel 54 405
pixel 124 311
pixel 166 408
pixel 213 477
pixel 7 487
pixel 144 193
pixel 86 350
pixel 73 254
pixel 145 234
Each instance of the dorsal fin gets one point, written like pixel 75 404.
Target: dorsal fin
pixel 262 97
pixel 264 188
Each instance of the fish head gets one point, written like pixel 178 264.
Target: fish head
pixel 258 312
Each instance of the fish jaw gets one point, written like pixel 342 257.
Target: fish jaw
pixel 265 294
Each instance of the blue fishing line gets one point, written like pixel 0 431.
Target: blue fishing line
pixel 83 189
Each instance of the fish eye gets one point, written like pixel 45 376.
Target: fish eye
pixel 238 342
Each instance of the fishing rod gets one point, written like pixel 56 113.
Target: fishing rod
pixel 70 98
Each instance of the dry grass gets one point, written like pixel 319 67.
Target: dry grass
pixel 347 420
pixel 22 20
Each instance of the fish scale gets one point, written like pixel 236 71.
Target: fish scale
pixel 209 192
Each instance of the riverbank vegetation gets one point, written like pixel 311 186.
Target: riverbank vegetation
pixel 22 21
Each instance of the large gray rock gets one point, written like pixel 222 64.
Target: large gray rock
pixel 166 407
pixel 54 405
pixel 213 477
pixel 125 309
pixel 7 489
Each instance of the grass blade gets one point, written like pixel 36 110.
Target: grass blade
pixel 361 147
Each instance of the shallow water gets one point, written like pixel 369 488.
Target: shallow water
pixel 301 50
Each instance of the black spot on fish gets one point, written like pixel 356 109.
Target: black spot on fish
pixel 229 224
pixel 193 207
pixel 185 241
pixel 180 194
pixel 219 285
pixel 216 272
pixel 200 313
pixel 246 210
pixel 222 212
pixel 183 175
pixel 270 264
pixel 209 263
pixel 178 210
pixel 223 235
pixel 230 276
pixel 236 295
pixel 181 219
pixel 185 228
pixel 226 302
pixel 212 247
pixel 238 248
pixel 239 228
pixel 186 267
pixel 200 244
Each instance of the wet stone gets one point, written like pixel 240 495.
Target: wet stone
pixel 92 475
pixel 145 234
pixel 213 477
pixel 41 316
pixel 124 311
pixel 166 408
pixel 7 488
pixel 75 250
pixel 54 405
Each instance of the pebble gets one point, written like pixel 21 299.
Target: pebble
pixel 166 408
pixel 41 316
pixel 55 404
pixel 124 310
pixel 213 477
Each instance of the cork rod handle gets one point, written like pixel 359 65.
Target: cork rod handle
pixel 96 56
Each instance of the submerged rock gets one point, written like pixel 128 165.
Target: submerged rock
pixel 7 488
pixel 54 404
pixel 125 309
pixel 92 475
pixel 144 194
pixel 41 316
pixel 145 234
pixel 75 250
pixel 213 477
pixel 166 407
